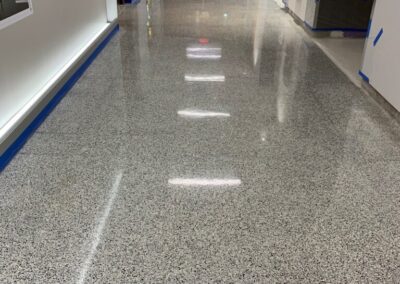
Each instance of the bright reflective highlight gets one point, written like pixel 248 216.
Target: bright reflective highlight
pixel 201 113
pixel 205 78
pixel 204 49
pixel 202 52
pixel 204 182
pixel 203 56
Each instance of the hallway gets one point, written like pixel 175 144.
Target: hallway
pixel 210 142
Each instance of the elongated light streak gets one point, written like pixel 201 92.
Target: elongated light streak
pixel 207 49
pixel 205 78
pixel 96 238
pixel 200 114
pixel 204 182
pixel 203 56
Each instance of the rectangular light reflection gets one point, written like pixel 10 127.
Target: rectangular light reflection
pixel 205 78
pixel 204 182
pixel 203 56
pixel 204 49
pixel 200 114
pixel 209 53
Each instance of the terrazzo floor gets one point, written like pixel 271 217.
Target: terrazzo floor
pixel 210 142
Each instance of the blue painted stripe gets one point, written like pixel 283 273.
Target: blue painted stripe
pixel 134 2
pixel 378 37
pixel 333 29
pixel 363 76
pixel 13 149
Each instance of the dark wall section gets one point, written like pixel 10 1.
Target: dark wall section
pixel 9 8
pixel 344 14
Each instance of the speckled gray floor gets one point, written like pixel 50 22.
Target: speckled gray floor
pixel 244 158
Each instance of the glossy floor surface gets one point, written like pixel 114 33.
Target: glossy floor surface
pixel 210 142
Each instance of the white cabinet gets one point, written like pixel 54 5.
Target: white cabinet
pixel 35 50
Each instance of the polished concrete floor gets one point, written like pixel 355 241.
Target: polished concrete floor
pixel 210 142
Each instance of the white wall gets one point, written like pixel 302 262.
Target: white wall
pixel 112 10
pixel 298 7
pixel 382 62
pixel 33 50
pixel 280 3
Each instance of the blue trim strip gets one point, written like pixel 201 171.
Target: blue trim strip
pixel 333 29
pixel 378 37
pixel 40 118
pixel 363 76
pixel 134 2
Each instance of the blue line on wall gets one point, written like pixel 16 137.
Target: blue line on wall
pixel 378 37
pixel 40 118
pixel 363 76
pixel 333 29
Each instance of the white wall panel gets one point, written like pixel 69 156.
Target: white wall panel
pixel 35 48
pixel 298 7
pixel 382 62
pixel 112 10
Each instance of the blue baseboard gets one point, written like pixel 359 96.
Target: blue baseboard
pixel 134 2
pixel 17 145
pixel 363 76
pixel 333 29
